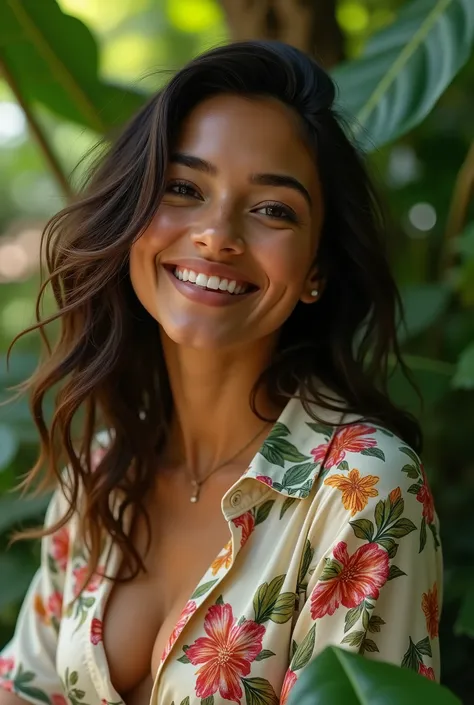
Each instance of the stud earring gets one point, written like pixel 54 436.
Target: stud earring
pixel 314 293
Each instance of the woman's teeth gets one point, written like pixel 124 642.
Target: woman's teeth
pixel 213 283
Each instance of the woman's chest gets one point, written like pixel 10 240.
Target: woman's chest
pixel 213 616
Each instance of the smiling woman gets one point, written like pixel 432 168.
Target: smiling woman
pixel 238 484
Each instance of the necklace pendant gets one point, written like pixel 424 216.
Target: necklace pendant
pixel 195 495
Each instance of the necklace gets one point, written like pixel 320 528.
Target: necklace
pixel 197 484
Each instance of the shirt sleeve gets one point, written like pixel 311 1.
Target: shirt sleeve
pixel 28 662
pixel 371 573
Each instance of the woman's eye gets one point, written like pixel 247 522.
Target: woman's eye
pixel 181 188
pixel 278 212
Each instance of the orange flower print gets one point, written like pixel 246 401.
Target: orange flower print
pixel 40 609
pixel 426 671
pixel 225 653
pixel 357 577
pixel 349 439
pixel 6 666
pixel 247 522
pixel 429 605
pixel 288 683
pixel 426 498
pixel 96 631
pixel 80 576
pixel 223 559
pixel 355 489
pixel 185 616
pixel 60 547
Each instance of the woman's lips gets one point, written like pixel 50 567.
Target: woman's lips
pixel 210 297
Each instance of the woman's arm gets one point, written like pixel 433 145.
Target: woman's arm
pixel 28 662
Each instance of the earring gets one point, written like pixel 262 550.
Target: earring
pixel 314 293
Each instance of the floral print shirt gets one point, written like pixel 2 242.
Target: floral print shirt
pixel 333 539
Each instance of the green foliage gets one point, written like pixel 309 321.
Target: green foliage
pixel 403 72
pixel 343 678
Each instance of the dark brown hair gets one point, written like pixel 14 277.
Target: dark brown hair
pixel 107 367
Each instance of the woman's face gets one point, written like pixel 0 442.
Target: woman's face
pixel 230 250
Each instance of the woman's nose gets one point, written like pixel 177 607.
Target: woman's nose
pixel 218 240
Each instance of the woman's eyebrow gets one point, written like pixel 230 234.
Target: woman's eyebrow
pixel 280 180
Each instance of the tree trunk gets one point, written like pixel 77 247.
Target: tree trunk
pixel 309 25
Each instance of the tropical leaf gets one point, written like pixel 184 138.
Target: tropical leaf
pixel 406 67
pixel 304 651
pixel 52 58
pixel 339 677
pixel 259 691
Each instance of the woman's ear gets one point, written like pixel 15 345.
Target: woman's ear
pixel 313 288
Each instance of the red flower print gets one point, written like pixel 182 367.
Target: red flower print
pixel 426 498
pixel 226 653
pixel 184 618
pixel 349 439
pixel 60 547
pixel 96 631
pixel 7 685
pixel 429 605
pixel 358 576
pixel 288 683
pixel 426 671
pixel 55 605
pixel 6 666
pixel 80 575
pixel 58 699
pixel 267 480
pixel 247 522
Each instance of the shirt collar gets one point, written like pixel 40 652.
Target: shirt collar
pixel 291 456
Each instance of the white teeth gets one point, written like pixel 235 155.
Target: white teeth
pixel 215 283
pixel 201 280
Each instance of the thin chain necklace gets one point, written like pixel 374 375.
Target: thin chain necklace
pixel 197 484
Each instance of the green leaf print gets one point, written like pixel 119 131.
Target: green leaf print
pixel 363 529
pixel 286 505
pixel 368 645
pixel 284 608
pixel 264 654
pixel 305 563
pixel 413 457
pixel 304 651
pixel 354 638
pixel 264 511
pixel 434 531
pixel 343 466
pixel 401 528
pixel 32 692
pixel 185 701
pixel 184 658
pixel 259 691
pixel 375 623
pixel 73 678
pixel 415 652
pixel 220 600
pixel 276 450
pixel 279 430
pixel 395 572
pixel 415 488
pixel 374 453
pixel 424 647
pixel 325 429
pixel 294 647
pixel 297 474
pixel 266 597
pixel 390 546
pixel 202 589
pixel 24 677
pixel 208 701
pixel 331 570
pixel 352 616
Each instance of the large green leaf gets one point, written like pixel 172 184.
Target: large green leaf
pixel 15 510
pixel 341 678
pixel 432 378
pixel 423 304
pixel 53 58
pixel 464 376
pixel 406 67
pixel 8 445
pixel 15 576
pixel 465 621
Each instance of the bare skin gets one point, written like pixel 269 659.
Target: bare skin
pixel 269 235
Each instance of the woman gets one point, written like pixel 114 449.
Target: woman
pixel 227 312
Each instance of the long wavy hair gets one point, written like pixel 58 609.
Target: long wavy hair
pixel 106 365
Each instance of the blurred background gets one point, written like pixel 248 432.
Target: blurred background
pixel 426 176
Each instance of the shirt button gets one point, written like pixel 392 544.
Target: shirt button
pixel 236 499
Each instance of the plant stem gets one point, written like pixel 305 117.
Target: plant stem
pixel 37 131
